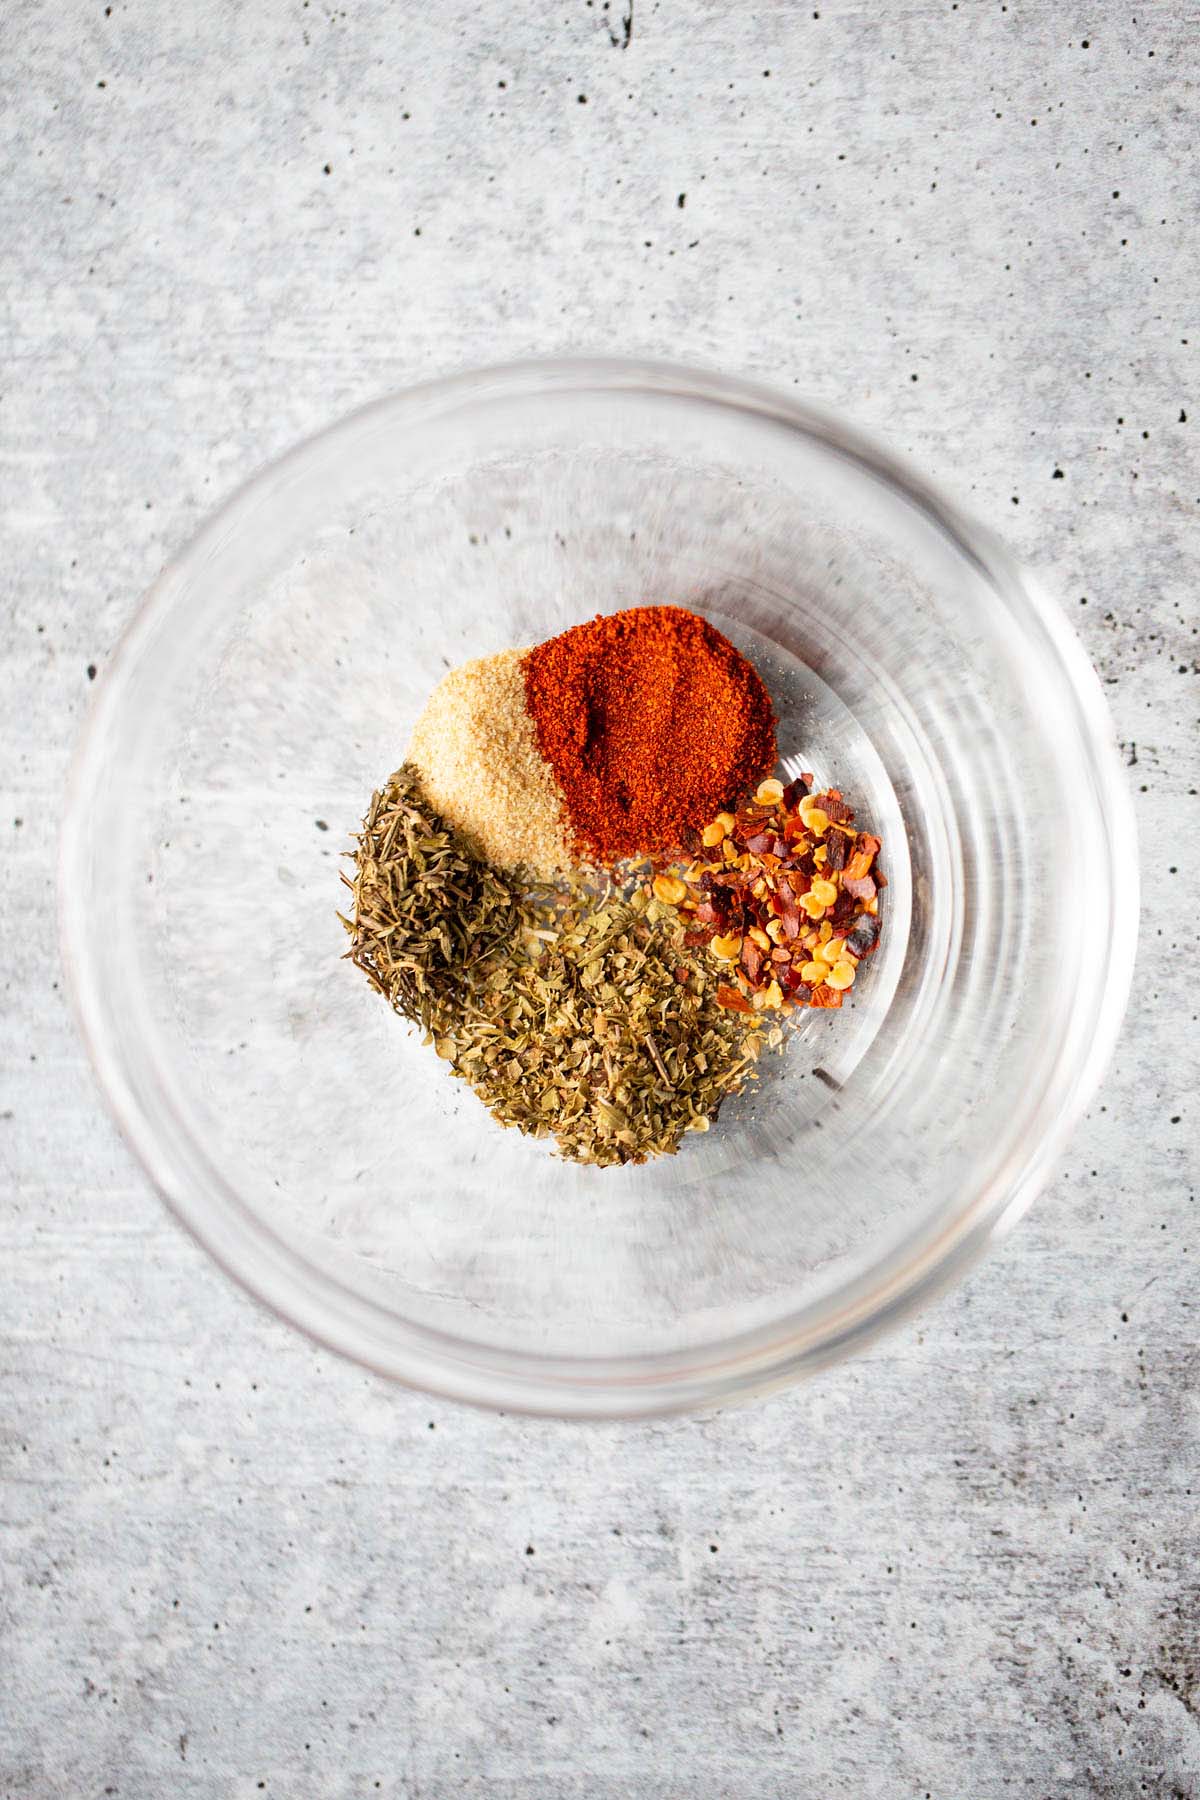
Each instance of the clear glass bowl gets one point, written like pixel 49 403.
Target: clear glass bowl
pixel 325 1157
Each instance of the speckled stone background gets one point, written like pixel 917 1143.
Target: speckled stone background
pixel 963 1566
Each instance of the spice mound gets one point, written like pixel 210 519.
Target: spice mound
pixel 476 750
pixel 574 1015
pixel 784 894
pixel 650 720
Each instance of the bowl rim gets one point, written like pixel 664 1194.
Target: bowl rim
pixel 922 1264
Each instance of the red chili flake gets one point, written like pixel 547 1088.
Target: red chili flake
pixel 837 843
pixel 826 997
pixel 842 911
pixel 834 807
pixel 858 866
pixel 864 935
pixel 863 890
pixel 756 877
pixel 752 960
pixel 789 913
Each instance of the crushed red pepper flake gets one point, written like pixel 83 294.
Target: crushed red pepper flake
pixel 824 996
pixel 790 907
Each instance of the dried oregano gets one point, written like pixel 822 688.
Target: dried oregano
pixel 573 1013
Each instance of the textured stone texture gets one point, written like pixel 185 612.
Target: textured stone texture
pixel 965 1565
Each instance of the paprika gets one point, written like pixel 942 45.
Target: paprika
pixel 652 722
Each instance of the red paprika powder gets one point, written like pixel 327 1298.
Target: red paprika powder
pixel 651 722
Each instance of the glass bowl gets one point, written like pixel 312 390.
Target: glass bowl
pixel 324 1156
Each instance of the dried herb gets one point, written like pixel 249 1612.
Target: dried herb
pixel 574 1014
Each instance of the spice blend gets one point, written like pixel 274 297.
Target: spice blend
pixel 611 1004
pixel 574 1016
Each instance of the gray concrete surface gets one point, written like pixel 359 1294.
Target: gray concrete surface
pixel 965 1565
